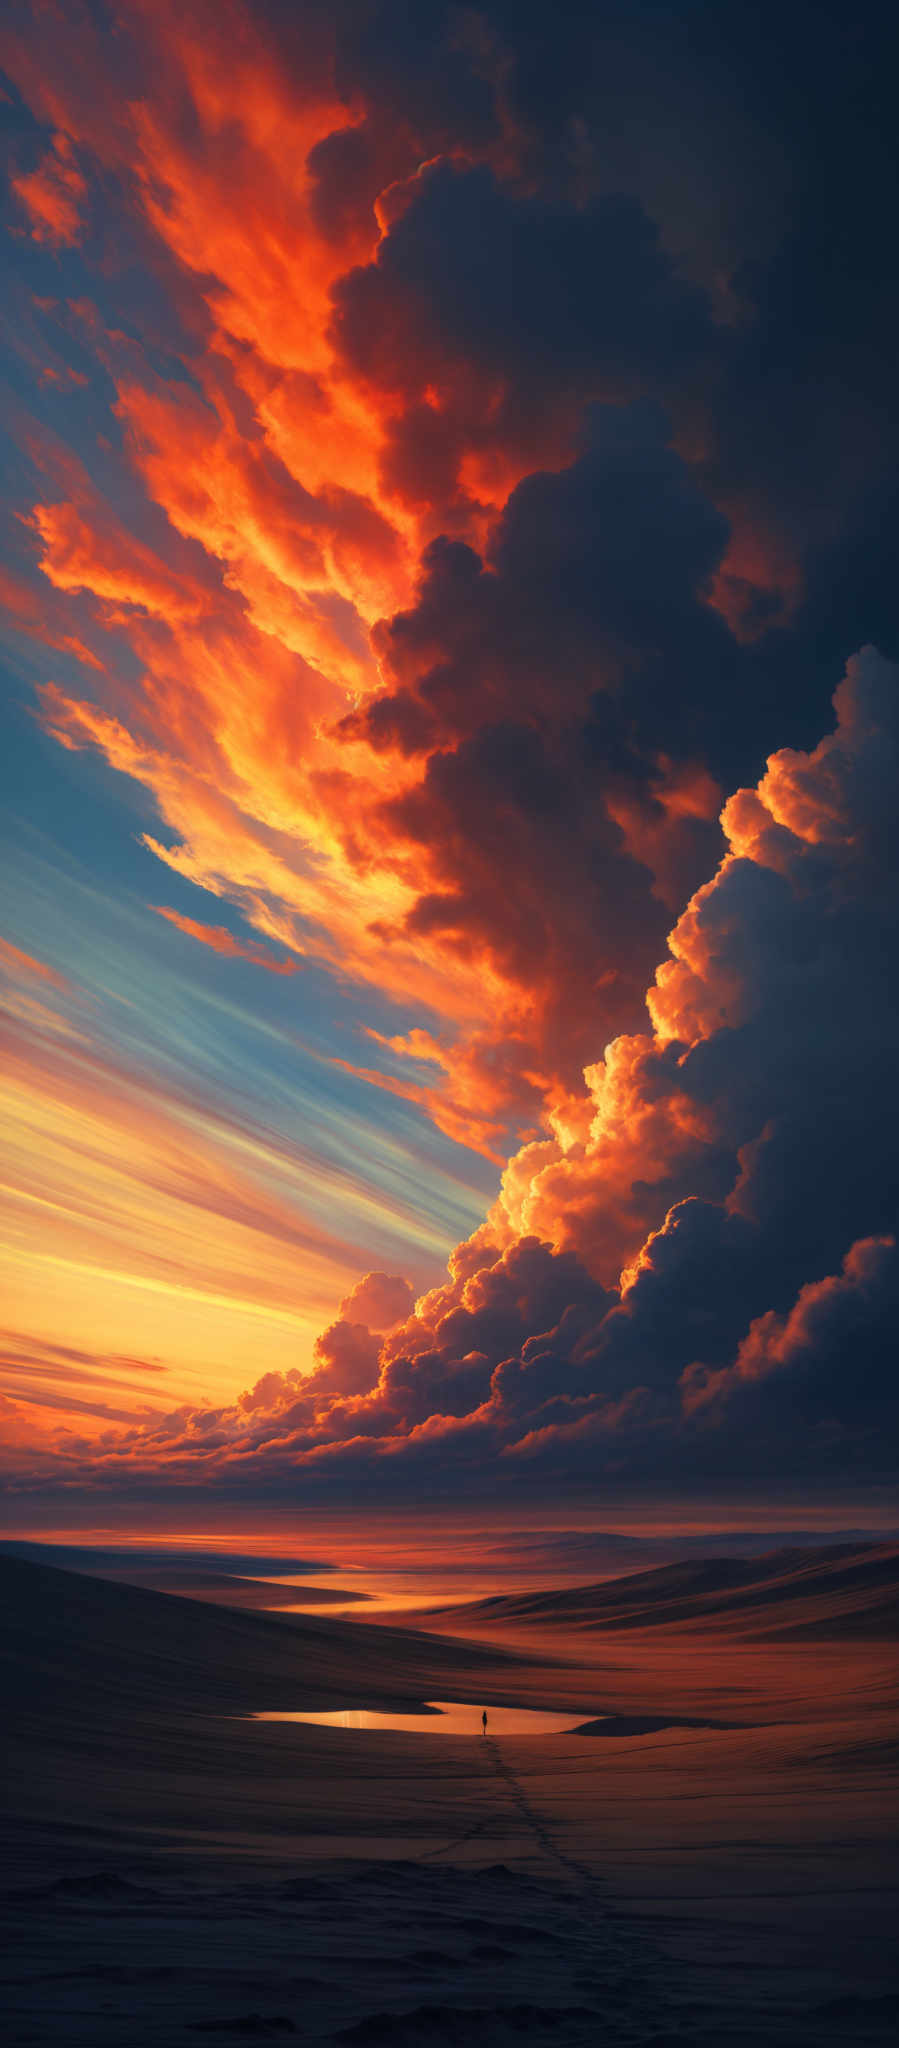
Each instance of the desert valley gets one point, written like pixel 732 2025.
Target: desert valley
pixel 711 1848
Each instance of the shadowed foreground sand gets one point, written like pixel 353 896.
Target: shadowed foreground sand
pixel 176 1870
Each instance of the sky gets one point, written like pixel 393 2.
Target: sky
pixel 448 921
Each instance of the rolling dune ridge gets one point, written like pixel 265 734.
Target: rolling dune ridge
pixel 846 1589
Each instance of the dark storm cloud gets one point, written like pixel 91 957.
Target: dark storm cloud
pixel 594 582
pixel 474 278
pixel 691 202
pixel 574 698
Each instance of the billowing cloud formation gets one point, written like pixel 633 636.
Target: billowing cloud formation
pixel 711 1244
pixel 380 1299
pixel 484 452
pixel 425 298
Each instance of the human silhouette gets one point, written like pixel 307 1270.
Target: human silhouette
pixel 484 1721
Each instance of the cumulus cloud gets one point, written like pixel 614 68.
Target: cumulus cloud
pixel 380 1300
pixel 832 1358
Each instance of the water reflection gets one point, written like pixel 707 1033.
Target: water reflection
pixel 442 1717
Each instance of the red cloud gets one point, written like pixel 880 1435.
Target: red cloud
pixel 53 195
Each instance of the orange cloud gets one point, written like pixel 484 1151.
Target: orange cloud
pixel 222 941
pixel 78 554
pixel 466 1123
pixel 36 614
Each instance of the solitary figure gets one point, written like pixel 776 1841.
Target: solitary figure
pixel 484 1721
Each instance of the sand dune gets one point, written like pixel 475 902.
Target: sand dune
pixel 129 1561
pixel 608 1554
pixel 843 1590
pixel 227 1579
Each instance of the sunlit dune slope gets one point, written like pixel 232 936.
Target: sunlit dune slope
pixel 851 1589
